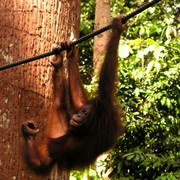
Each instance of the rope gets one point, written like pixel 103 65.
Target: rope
pixel 84 38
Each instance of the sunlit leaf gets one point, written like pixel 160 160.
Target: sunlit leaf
pixel 124 50
pixel 170 31
pixel 151 9
pixel 150 66
pixel 157 66
pixel 140 54
pixel 149 49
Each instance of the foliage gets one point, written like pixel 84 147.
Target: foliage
pixel 79 175
pixel 149 94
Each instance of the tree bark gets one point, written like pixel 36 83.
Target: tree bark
pixel 29 28
pixel 102 18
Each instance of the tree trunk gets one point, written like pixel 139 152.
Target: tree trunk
pixel 102 18
pixel 29 28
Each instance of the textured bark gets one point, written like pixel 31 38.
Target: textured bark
pixel 102 18
pixel 29 28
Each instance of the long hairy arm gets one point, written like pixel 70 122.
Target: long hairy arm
pixel 108 72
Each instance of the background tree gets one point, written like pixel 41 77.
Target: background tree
pixel 102 18
pixel 29 28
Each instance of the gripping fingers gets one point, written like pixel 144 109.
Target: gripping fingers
pixel 117 23
pixel 70 49
pixel 57 60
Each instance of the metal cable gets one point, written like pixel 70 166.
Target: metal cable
pixel 84 38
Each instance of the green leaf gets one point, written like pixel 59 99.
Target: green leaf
pixel 135 42
pixel 163 100
pixel 168 103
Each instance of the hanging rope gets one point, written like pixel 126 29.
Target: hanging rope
pixel 58 50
